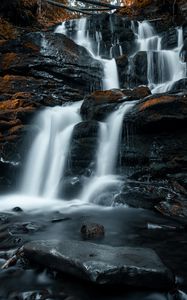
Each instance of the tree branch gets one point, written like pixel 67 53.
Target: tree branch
pixel 67 7
pixel 100 4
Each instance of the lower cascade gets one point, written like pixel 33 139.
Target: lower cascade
pixel 49 153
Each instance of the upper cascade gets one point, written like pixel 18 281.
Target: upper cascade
pixel 82 38
pixel 164 67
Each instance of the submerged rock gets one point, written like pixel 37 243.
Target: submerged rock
pixel 92 231
pixel 101 264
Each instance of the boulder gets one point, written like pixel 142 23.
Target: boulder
pixel 122 65
pixel 169 39
pixel 156 112
pixel 100 103
pixel 137 71
pixel 92 231
pixel 102 264
pixel 115 31
pixel 179 86
pixel 183 53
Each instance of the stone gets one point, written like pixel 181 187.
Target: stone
pixel 92 231
pixel 183 53
pixel 100 103
pixel 170 39
pixel 102 264
pixel 137 72
pixel 161 111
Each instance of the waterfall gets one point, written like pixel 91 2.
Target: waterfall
pixel 164 66
pixel 110 78
pixel 48 155
pixel 107 154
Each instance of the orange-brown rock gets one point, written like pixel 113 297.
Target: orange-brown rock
pixel 161 112
pixel 7 59
pixel 100 97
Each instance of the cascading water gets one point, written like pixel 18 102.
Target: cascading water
pixel 164 66
pixel 105 179
pixel 110 78
pixel 49 152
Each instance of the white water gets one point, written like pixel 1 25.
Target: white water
pixel 110 78
pixel 107 154
pixel 49 152
pixel 164 66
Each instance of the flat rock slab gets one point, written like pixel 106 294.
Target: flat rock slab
pixel 102 264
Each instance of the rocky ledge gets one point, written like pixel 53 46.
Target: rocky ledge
pixel 101 264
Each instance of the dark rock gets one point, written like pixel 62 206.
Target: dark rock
pixel 122 65
pixel 169 39
pixel 100 103
pixel 180 86
pixel 174 209
pixel 70 187
pixel 82 151
pixel 137 72
pixel 161 111
pixel 183 53
pixel 137 93
pixel 137 267
pixel 115 31
pixel 17 209
pixel 92 231
pixel 38 54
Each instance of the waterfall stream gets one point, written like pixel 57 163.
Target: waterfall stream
pixel 49 152
pixel 110 78
pixel 164 66
pixel 47 158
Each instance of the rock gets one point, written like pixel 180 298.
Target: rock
pixel 47 55
pixel 169 39
pixel 180 86
pixel 137 93
pixel 101 264
pixel 122 65
pixel 137 72
pixel 100 103
pixel 115 31
pixel 174 209
pixel 82 151
pixel 92 231
pixel 161 111
pixel 17 209
pixel 70 188
pixel 183 53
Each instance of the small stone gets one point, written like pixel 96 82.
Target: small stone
pixel 17 209
pixel 92 231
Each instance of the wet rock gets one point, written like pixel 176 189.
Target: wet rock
pixel 137 72
pixel 17 209
pixel 115 31
pixel 82 150
pixel 39 54
pixel 122 63
pixel 180 86
pixel 137 93
pixel 92 231
pixel 183 53
pixel 137 267
pixel 161 111
pixel 70 188
pixel 175 209
pixel 100 103
pixel 169 39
